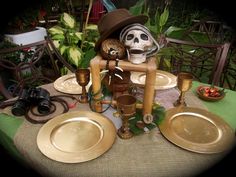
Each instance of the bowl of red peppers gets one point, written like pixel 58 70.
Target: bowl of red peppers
pixel 210 93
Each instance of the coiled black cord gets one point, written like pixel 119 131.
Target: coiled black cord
pixel 57 98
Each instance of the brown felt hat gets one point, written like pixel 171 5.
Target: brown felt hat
pixel 115 20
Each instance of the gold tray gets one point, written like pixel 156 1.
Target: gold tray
pixel 68 84
pixel 76 136
pixel 164 80
pixel 197 130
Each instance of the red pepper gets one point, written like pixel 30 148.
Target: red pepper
pixel 206 94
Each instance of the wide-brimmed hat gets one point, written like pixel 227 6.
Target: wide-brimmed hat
pixel 114 20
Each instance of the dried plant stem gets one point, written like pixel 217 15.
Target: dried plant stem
pixel 87 18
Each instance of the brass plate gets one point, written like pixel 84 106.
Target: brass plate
pixel 68 84
pixel 197 130
pixel 164 80
pixel 76 136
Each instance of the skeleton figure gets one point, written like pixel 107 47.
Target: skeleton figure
pixel 139 43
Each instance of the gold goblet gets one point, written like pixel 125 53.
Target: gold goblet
pixel 83 78
pixel 184 83
pixel 126 106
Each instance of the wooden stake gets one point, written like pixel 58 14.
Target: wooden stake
pixel 150 67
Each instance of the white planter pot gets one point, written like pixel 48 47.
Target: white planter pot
pixel 28 37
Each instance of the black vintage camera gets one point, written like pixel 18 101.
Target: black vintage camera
pixel 32 96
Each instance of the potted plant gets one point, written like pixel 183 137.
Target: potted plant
pixel 75 46
pixel 24 28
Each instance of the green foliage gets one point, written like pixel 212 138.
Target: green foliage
pixel 158 113
pixel 138 8
pixel 16 57
pixel 77 47
pixel 155 23
pixel 87 57
pixel 24 21
pixel 159 22
pixel 7 44
pixel 194 36
pixel 68 21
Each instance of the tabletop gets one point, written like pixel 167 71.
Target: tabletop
pixel 148 154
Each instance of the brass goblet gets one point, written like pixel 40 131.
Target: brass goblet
pixel 184 83
pixel 126 106
pixel 83 78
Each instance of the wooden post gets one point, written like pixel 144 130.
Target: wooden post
pixel 149 89
pixel 96 82
pixel 150 68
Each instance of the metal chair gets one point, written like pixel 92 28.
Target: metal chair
pixel 228 79
pixel 24 66
pixel 212 29
pixel 204 61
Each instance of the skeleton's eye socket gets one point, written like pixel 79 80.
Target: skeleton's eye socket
pixel 130 36
pixel 144 37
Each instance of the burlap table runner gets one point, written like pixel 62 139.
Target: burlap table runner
pixel 144 155
pixel 167 97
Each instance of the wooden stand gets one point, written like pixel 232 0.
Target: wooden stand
pixel 97 63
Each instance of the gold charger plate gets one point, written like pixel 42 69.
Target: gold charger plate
pixel 164 80
pixel 197 130
pixel 68 84
pixel 77 136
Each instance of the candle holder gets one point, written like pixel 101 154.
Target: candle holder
pixel 184 83
pixel 83 78
pixel 126 106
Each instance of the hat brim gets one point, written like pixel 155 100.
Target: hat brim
pixel 134 19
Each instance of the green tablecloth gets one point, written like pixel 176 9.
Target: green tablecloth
pixel 8 128
pixel 224 108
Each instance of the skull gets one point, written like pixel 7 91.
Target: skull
pixel 138 42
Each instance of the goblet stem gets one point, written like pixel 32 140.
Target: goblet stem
pixel 126 124
pixel 181 100
pixel 84 96
pixel 126 105
pixel 184 83
pixel 124 131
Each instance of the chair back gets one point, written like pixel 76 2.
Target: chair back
pixel 25 66
pixel 212 29
pixel 228 79
pixel 204 61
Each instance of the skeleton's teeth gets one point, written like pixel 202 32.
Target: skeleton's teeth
pixel 136 51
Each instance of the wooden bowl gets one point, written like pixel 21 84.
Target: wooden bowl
pixel 207 97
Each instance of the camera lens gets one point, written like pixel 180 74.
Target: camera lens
pixel 44 107
pixel 19 108
pixel 43 96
